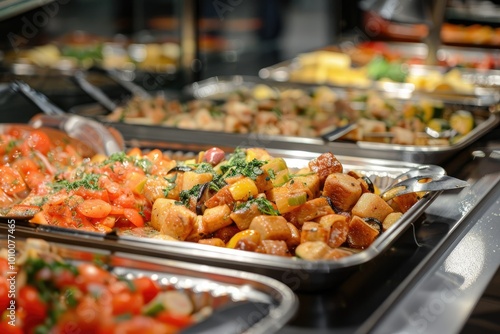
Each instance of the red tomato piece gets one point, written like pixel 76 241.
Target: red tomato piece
pixel 177 320
pixel 94 208
pixel 39 141
pixel 147 287
pixel 36 309
pixel 4 293
pixel 134 217
pixel 6 328
pixel 127 302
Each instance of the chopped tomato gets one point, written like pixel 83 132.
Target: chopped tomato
pixel 4 293
pixel 177 320
pixel 127 302
pixel 30 301
pixel 90 273
pixel 147 287
pixel 6 328
pixel 39 141
pixel 94 208
pixel 10 181
pixel 142 325
pixel 134 217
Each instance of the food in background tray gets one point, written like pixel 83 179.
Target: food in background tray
pixel 318 67
pixel 82 50
pixel 57 296
pixel 297 112
pixel 247 200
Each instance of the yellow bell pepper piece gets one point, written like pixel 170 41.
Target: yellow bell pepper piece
pixel 251 235
pixel 243 189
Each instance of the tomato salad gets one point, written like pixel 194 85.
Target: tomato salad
pixel 55 296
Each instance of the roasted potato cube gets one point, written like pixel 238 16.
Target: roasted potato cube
pixel 309 211
pixel 174 220
pixel 325 165
pixel 243 217
pixel 191 179
pixel 310 181
pixel 226 233
pixel 404 202
pixel 314 232
pixel 216 218
pixel 273 247
pixel 213 242
pixel 294 239
pixel 391 219
pixel 361 234
pixel 318 250
pixel 223 196
pixel 371 206
pixel 338 227
pixel 154 188
pixel 343 190
pixel 271 227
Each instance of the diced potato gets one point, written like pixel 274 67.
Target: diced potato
pixel 343 190
pixel 223 196
pixel 310 181
pixel 338 227
pixel 274 247
pixel 155 188
pixel 325 165
pixel 216 218
pixel 371 206
pixel 271 227
pixel 314 232
pixel 318 250
pixel 174 220
pixel 360 235
pixel 289 196
pixel 226 233
pixel 309 211
pixel 263 182
pixel 192 178
pixel 243 217
pixel 404 202
pixel 213 242
pixel 391 218
pixel 294 239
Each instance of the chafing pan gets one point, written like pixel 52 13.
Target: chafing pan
pixel 297 273
pixel 267 304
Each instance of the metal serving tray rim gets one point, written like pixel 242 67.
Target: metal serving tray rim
pixel 277 317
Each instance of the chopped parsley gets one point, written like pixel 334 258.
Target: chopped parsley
pixel 171 186
pixel 186 195
pixel 123 158
pixel 263 204
pixel 237 165
pixel 88 181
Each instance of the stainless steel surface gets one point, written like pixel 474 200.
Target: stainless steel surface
pixel 224 286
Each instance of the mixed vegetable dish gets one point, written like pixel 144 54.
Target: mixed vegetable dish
pixel 246 200
pixel 298 112
pixel 53 295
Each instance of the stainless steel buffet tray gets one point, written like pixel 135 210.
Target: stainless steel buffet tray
pixel 270 304
pixel 486 83
pixel 221 87
pixel 297 273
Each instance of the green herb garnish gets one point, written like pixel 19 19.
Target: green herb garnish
pixel 88 181
pixel 263 204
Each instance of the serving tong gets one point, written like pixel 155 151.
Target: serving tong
pixel 100 138
pixel 427 178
